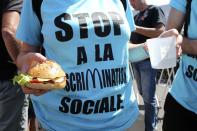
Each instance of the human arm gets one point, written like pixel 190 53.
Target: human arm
pixel 150 32
pixel 152 23
pixel 10 20
pixel 131 45
pixel 188 46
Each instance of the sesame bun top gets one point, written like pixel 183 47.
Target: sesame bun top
pixel 47 69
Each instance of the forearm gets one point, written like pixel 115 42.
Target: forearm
pixel 13 45
pixel 10 22
pixel 175 22
pixel 189 46
pixel 131 45
pixel 149 32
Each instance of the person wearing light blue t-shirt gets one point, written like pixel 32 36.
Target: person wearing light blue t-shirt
pixel 89 39
pixel 181 102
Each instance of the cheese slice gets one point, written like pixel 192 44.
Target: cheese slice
pixel 41 79
pixel 59 79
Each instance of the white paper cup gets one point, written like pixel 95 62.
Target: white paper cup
pixel 162 52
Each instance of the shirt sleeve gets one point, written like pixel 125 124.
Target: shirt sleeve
pixel 29 29
pixel 179 5
pixel 158 16
pixel 129 15
pixel 13 5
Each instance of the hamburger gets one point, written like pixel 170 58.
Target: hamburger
pixel 43 75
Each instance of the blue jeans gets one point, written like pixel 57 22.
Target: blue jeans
pixel 13 107
pixel 145 77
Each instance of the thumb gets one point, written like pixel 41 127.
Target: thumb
pixel 38 57
pixel 30 60
pixel 25 68
pixel 171 32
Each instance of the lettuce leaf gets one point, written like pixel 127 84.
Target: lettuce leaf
pixel 22 79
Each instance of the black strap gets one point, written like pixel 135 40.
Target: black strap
pixel 187 22
pixel 124 4
pixel 187 17
pixel 36 4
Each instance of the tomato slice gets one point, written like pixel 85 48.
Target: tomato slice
pixel 35 80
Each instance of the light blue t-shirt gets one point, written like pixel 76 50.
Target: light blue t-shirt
pixel 88 38
pixel 184 87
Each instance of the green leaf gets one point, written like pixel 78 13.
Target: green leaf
pixel 22 79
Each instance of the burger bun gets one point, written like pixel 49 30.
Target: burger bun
pixel 47 70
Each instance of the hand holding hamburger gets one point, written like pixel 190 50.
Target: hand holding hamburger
pixel 46 75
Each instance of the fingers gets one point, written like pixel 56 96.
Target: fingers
pixel 25 68
pixel 27 90
pixel 179 39
pixel 35 92
pixel 178 51
pixel 172 32
pixel 37 57
pixel 30 60
pixel 41 92
pixel 145 46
